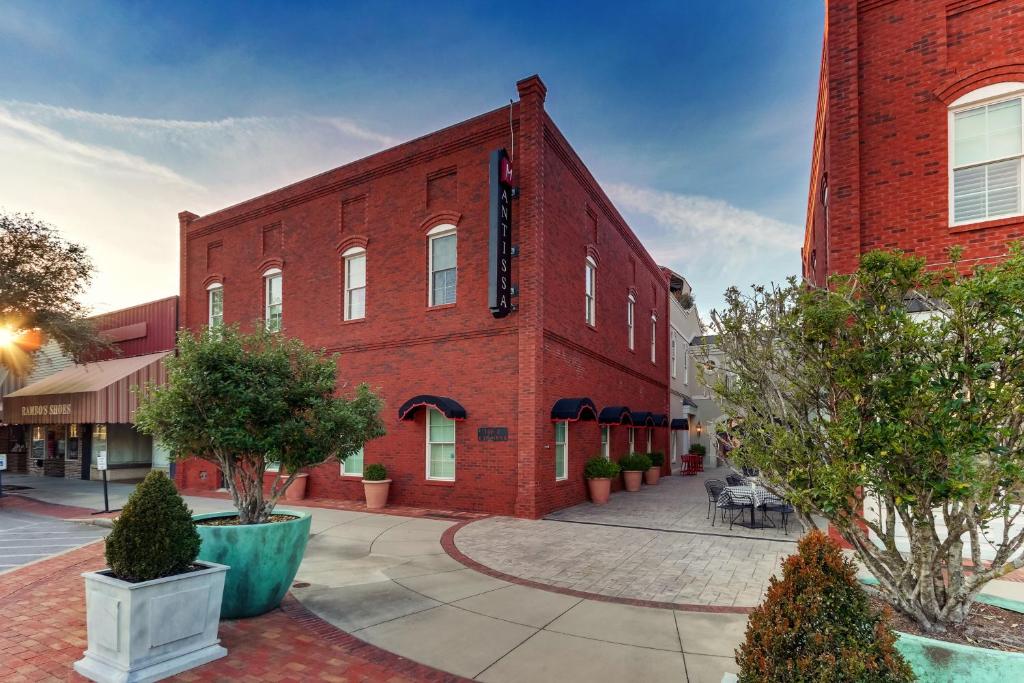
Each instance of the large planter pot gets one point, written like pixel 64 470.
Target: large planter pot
pixel 600 489
pixel 652 475
pixel 632 479
pixel 376 493
pixel 936 660
pixel 263 559
pixel 297 491
pixel 150 630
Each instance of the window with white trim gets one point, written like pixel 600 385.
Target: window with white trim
pixel 631 320
pixel 355 283
pixel 440 446
pixel 272 309
pixel 353 465
pixel 672 350
pixel 590 292
pixel 686 362
pixel 632 440
pixel 986 155
pixel 443 256
pixel 606 445
pixel 215 304
pixel 650 440
pixel 561 450
pixel 654 338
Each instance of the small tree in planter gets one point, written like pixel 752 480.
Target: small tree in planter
pixel 653 473
pixel 599 472
pixel 633 467
pixel 376 485
pixel 166 604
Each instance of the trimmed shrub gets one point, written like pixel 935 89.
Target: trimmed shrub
pixel 816 624
pixel 155 535
pixel 698 449
pixel 635 462
pixel 375 472
pixel 599 467
pixel 657 459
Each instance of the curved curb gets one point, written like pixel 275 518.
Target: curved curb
pixel 448 543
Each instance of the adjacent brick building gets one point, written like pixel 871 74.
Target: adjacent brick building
pixel 917 144
pixel 385 262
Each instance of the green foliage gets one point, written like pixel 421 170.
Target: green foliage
pixel 599 467
pixel 698 449
pixel 154 536
pixel 657 458
pixel 243 400
pixel 635 462
pixel 842 393
pixel 42 278
pixel 375 472
pixel 816 624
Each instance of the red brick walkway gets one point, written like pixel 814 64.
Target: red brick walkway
pixel 43 633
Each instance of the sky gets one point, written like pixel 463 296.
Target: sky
pixel 695 117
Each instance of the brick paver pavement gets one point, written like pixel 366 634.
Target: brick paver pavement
pixel 43 633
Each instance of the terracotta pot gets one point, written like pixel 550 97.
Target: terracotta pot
pixel 297 491
pixel 376 493
pixel 652 475
pixel 632 479
pixel 599 490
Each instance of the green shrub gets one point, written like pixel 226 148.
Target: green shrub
pixel 599 467
pixel 375 472
pixel 657 459
pixel 816 624
pixel 155 535
pixel 635 462
pixel 698 449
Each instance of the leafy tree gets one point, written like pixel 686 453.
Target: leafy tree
pixel 889 421
pixel 245 400
pixel 41 279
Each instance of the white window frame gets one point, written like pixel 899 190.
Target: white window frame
pixel 443 230
pixel 606 442
pixel 631 320
pixel 672 351
pixel 654 338
pixel 564 447
pixel 269 275
pixel 349 255
pixel 215 288
pixel 632 440
pixel 987 95
pixel 590 292
pixel 686 362
pixel 362 463
pixel 453 442
pixel 650 439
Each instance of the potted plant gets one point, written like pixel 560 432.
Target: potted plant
pixel 244 401
pixel 599 472
pixel 633 467
pixel 155 611
pixel 376 486
pixel 653 473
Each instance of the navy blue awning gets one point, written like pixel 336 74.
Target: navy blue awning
pixel 448 407
pixel 660 420
pixel 681 423
pixel 615 415
pixel 642 418
pixel 573 409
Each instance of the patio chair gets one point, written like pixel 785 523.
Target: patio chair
pixel 714 488
pixel 736 480
pixel 750 471
pixel 773 503
pixel 731 501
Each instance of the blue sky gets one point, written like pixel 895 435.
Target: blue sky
pixel 696 117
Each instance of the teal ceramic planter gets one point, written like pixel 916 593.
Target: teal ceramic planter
pixel 263 559
pixel 936 661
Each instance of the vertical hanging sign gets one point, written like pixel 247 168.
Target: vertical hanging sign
pixel 499 252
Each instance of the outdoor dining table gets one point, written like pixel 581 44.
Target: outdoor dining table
pixel 756 496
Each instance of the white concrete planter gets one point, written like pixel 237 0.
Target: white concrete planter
pixel 154 629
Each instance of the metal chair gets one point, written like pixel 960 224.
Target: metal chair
pixel 773 503
pixel 736 480
pixel 731 501
pixel 750 471
pixel 714 488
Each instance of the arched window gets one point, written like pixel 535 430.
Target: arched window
pixel 985 154
pixel 631 320
pixel 273 300
pixel 355 283
pixel 654 338
pixel 590 292
pixel 215 304
pixel 442 246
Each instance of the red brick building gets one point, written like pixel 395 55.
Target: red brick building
pixel 917 144
pixel 385 261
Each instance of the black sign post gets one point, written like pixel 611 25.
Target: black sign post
pixel 499 252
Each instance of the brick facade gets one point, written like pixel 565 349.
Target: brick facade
pixel 890 71
pixel 505 372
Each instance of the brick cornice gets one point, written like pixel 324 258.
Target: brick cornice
pixel 416 341
pixel 590 353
